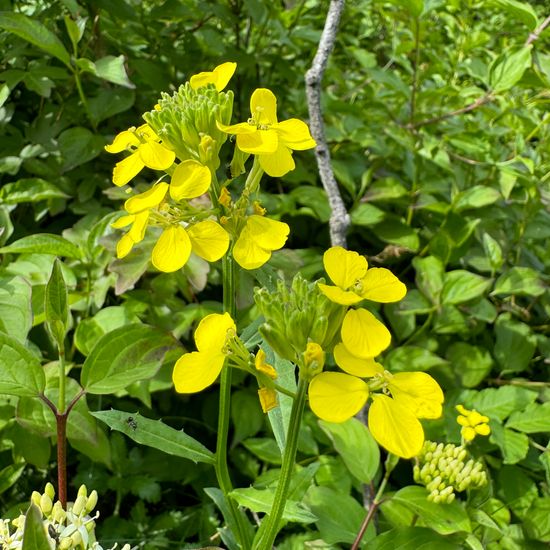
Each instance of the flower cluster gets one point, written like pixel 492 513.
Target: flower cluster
pixel 73 528
pixel 182 138
pixel 444 469
pixel 473 423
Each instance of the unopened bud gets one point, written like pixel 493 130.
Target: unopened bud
pixel 91 502
pixel 46 504
pixel 49 490
pixel 82 491
pixel 35 498
pixel 79 505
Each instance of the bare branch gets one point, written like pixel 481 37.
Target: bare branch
pixel 339 218
pixel 536 33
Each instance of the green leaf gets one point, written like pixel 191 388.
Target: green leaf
pixel 475 197
pixel 246 415
pixel 429 276
pixel 43 243
pixel 55 304
pixel 519 10
pixel 515 344
pixel 108 103
pixel 507 69
pixel 499 403
pixel 522 281
pixel 125 355
pixel 154 433
pixel 339 516
pixel 265 448
pixel 414 7
pixel 30 190
pixel 354 443
pixel 366 214
pixel 314 201
pixel 396 232
pixel 78 146
pixel 413 538
pixel 462 286
pixel 112 69
pixel 20 370
pixel 471 364
pixel 537 520
pixel 75 29
pixel 517 489
pixel 34 32
pixel 15 307
pixel 535 418
pixel 493 251
pixel 34 535
pixel 9 476
pixel 514 445
pixel 412 358
pixel 261 501
pixel 443 518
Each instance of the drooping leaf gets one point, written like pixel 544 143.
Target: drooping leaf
pixel 43 243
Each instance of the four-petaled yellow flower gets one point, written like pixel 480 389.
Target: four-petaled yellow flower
pixel 146 151
pixel 199 369
pixel 356 282
pixel 472 422
pixel 272 141
pixel 220 77
pixel 394 415
pixel 259 237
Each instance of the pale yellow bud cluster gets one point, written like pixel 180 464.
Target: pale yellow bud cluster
pixel 70 529
pixel 444 469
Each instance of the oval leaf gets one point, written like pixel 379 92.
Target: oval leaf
pixel 34 535
pixel 43 243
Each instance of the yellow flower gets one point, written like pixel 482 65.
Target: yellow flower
pixel 472 422
pixel 259 237
pixel 220 77
pixel 262 366
pixel 146 151
pixel 272 141
pixel 199 369
pixel 363 333
pixel 268 399
pixel 356 282
pixel 393 415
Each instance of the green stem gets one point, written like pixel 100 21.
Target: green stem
pixel 270 526
pixel 222 470
pixel 83 97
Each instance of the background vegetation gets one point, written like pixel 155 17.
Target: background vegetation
pixel 437 118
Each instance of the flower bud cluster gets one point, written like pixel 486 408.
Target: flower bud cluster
pixel 444 469
pixel 184 118
pixel 73 528
pixel 297 315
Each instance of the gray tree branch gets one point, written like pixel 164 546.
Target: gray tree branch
pixel 339 218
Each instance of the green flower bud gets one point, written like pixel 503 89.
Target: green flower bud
pixel 82 491
pixel 79 505
pixel 46 504
pixel 65 544
pixel 277 341
pixel 91 502
pixel 49 490
pixel 76 538
pixel 35 498
pixel 58 514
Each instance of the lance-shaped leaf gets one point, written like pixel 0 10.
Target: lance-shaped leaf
pixel 55 304
pixel 20 370
pixel 43 243
pixel 34 535
pixel 125 355
pixel 154 433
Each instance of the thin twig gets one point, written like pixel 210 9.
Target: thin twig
pixel 339 218
pixel 416 62
pixel 536 33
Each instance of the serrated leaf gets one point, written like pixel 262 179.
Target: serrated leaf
pixel 358 449
pixel 515 344
pixel 34 32
pixel 34 535
pixel 499 403
pixel 20 370
pixel 471 364
pixel 154 433
pixel 125 355
pixel 462 286
pixel 443 518
pixel 112 69
pixel 30 190
pixel 43 243
pixel 514 445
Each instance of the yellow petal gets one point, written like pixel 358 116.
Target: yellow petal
pixel 295 134
pixel 267 233
pixel 258 142
pixel 339 296
pixel 344 267
pixel 212 332
pixel 127 169
pixel 279 163
pixel 483 429
pixel 468 433
pixel 381 285
pixel 263 106
pixel 137 231
pixel 123 221
pixel 172 249
pixel 197 370
pixel 240 128
pixel 209 240
pixel 348 362
pixel 223 74
pixel 395 427
pixel 335 396
pixel 268 399
pixel 247 253
pixel 156 156
pixel 190 179
pixel 122 141
pixel 363 333
pixel 148 199
pixel 124 246
pixel 418 392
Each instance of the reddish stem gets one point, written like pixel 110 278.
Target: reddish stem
pixel 61 420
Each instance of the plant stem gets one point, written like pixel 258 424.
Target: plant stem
pixel 270 526
pixel 61 421
pixel 61 401
pixel 83 97
pixel 222 470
